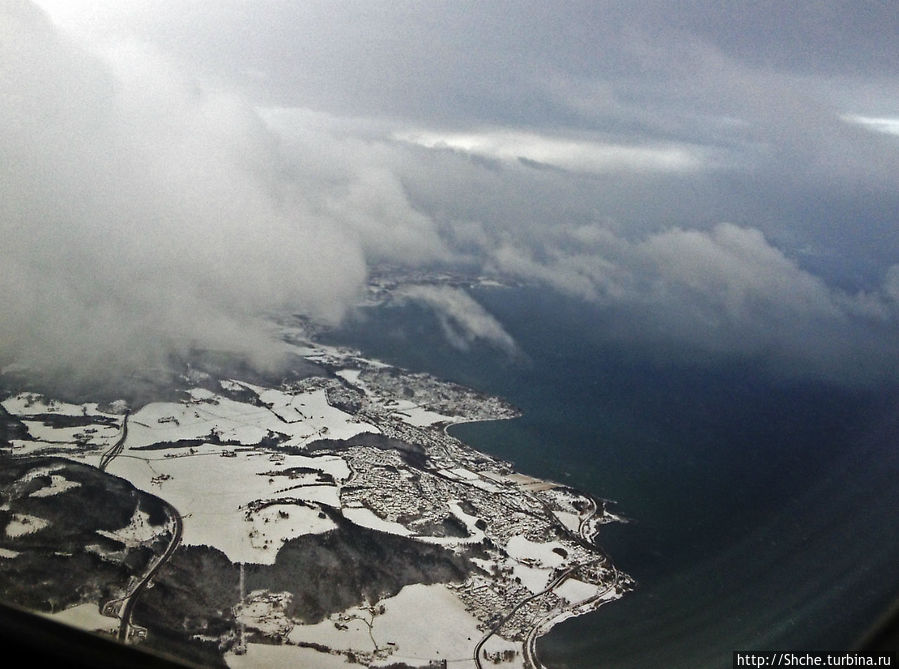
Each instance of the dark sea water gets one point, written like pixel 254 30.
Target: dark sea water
pixel 764 512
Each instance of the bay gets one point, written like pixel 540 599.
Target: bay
pixel 762 508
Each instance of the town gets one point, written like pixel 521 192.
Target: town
pixel 359 449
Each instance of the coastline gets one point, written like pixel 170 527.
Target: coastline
pixel 588 531
pixel 364 453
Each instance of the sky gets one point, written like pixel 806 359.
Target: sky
pixel 716 176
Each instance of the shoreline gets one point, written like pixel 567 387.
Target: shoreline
pixel 386 462
pixel 588 532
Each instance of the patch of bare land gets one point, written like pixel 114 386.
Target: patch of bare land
pixel 328 520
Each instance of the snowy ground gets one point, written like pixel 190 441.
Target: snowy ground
pixel 243 478
pixel 422 622
pixel 217 493
pixel 87 617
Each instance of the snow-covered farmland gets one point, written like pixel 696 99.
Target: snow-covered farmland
pixel 302 416
pixel 21 524
pixel 33 404
pixel 401 633
pixel 221 495
pixel 249 468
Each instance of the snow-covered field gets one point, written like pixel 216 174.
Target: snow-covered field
pixel 87 617
pixel 21 524
pixel 421 622
pixel 246 478
pixel 302 416
pixel 216 493
pixel 32 404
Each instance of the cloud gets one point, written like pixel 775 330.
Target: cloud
pixel 163 190
pixel 891 283
pixel 725 291
pixel 143 214
pixel 577 154
pixel 462 320
pixel 887 126
pixel 735 271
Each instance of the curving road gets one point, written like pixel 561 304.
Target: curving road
pixel 116 447
pixel 549 588
pixel 529 648
pixel 131 600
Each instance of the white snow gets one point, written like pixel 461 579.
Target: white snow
pixel 339 632
pixel 471 478
pixel 417 636
pixel 230 384
pixel 576 591
pixel 215 492
pixel 285 522
pixel 365 517
pixel 416 415
pixel 248 500
pixel 58 484
pixel 522 548
pixel 570 520
pixel 421 623
pixel 266 612
pixel 23 447
pixel 351 376
pixel 32 474
pixel 168 421
pixel 93 435
pixel 311 409
pixel 497 644
pixel 461 472
pixel 21 524
pixel 31 404
pixel 302 416
pixel 136 533
pixel 87 617
pixel 267 656
pixel 534 579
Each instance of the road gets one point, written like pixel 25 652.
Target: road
pixel 529 648
pixel 116 447
pixel 131 600
pixel 549 588
pixel 583 525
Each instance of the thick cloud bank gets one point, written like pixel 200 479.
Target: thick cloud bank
pixel 143 215
pixel 168 184
pixel 722 291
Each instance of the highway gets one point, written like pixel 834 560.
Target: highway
pixel 553 584
pixel 131 600
pixel 116 447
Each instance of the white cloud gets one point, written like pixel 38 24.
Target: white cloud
pixel 891 283
pixel 143 214
pixel 736 270
pixel 569 153
pixel 727 290
pixel 881 124
pixel 145 209
pixel 462 320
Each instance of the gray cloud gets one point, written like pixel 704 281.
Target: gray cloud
pixel 207 164
pixel 142 214
pixel 725 291
pixel 462 320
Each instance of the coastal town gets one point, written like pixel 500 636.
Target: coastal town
pixel 351 464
